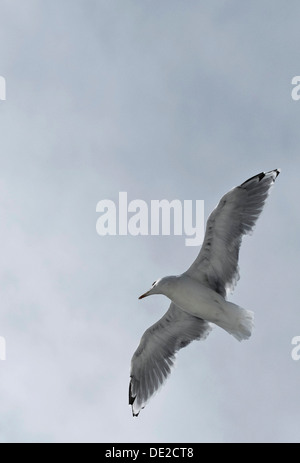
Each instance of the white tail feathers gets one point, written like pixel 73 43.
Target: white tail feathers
pixel 245 325
pixel 238 322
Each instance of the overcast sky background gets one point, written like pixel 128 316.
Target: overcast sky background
pixel 161 99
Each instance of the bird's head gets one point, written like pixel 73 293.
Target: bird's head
pixel 161 286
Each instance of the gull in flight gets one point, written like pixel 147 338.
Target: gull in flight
pixel 198 295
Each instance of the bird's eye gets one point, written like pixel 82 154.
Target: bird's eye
pixel 153 283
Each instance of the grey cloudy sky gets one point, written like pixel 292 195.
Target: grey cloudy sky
pixel 169 99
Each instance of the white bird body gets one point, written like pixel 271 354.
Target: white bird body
pixel 186 291
pixel 202 302
pixel 198 295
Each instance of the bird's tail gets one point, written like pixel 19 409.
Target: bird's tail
pixel 237 321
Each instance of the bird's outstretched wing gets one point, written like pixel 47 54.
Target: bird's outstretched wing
pixel 236 214
pixel 152 361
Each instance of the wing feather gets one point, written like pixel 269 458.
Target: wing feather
pixel 216 265
pixel 152 361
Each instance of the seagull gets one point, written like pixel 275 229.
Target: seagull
pixel 198 296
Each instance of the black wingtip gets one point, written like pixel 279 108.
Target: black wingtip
pixel 262 175
pixel 131 400
pixel 277 172
pixel 274 172
pixel 131 397
pixel 259 176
